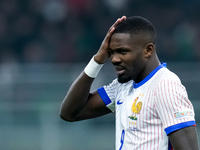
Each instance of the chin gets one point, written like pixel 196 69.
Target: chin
pixel 123 79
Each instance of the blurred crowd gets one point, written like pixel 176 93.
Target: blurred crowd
pixel 36 31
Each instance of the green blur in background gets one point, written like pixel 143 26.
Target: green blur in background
pixel 45 44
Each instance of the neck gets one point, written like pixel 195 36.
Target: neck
pixel 152 64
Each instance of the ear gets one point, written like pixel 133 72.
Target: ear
pixel 149 49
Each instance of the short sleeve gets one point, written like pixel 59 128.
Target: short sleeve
pixel 173 106
pixel 108 94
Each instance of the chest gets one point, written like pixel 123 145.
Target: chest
pixel 135 110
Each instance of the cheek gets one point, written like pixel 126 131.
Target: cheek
pixel 134 60
pixel 135 65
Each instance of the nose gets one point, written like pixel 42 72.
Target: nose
pixel 115 58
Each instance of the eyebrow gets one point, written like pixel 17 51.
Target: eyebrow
pixel 119 49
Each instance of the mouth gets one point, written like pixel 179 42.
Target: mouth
pixel 119 70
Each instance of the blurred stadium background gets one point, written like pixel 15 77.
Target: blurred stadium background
pixel 45 44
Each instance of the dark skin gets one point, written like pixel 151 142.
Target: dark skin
pixel 134 58
pixel 184 139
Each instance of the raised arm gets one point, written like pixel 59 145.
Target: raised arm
pixel 184 139
pixel 79 103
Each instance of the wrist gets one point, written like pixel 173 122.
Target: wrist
pixel 92 69
pixel 97 59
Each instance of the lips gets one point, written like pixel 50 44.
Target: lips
pixel 119 70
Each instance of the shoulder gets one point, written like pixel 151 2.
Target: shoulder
pixel 167 75
pixel 167 79
pixel 164 79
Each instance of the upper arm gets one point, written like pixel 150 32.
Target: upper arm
pixel 94 107
pixel 101 102
pixel 177 115
pixel 184 139
pixel 173 106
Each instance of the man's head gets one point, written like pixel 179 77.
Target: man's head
pixel 137 26
pixel 132 49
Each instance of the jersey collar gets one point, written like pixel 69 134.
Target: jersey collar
pixel 137 85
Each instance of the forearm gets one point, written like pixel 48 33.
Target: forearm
pixel 76 97
pixel 78 94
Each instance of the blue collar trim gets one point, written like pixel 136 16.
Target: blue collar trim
pixel 137 85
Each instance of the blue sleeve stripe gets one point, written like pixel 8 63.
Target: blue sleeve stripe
pixel 104 96
pixel 175 127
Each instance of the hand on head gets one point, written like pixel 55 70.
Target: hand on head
pixel 103 54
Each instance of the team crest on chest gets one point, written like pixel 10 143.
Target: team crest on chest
pixel 135 108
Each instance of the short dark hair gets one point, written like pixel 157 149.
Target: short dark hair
pixel 137 26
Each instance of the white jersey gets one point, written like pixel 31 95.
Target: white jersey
pixel 148 111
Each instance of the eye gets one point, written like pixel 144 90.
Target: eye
pixel 111 51
pixel 123 52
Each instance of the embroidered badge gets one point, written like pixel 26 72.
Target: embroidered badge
pixel 135 108
pixel 182 114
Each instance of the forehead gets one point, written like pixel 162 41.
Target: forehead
pixel 123 40
pixel 120 38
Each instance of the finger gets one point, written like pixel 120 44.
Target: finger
pixel 111 32
pixel 112 28
pixel 118 21
pixel 105 43
pixel 123 18
pixel 107 38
